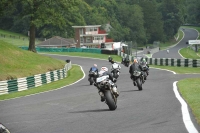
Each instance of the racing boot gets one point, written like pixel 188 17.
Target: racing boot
pixel 116 93
pixel 102 96
pixel 134 83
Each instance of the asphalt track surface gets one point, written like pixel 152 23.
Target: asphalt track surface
pixel 189 34
pixel 78 109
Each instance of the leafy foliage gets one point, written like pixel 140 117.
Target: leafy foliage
pixel 131 20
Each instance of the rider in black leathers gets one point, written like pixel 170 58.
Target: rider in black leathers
pixel 144 62
pixel 110 59
pixel 133 67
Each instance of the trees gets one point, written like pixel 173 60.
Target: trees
pixel 153 23
pixel 46 15
pixel 193 11
pixel 172 16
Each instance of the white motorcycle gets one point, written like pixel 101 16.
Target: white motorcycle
pixel 105 86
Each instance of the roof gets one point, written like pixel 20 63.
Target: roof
pixel 57 41
pixel 87 26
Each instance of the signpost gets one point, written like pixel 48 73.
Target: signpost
pixel 194 42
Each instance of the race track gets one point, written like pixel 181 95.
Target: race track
pixel 189 34
pixel 77 108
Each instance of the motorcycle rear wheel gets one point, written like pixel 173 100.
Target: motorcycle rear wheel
pixel 110 100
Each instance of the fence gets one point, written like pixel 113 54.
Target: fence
pixel 167 61
pixel 21 84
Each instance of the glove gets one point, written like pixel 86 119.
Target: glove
pixel 114 80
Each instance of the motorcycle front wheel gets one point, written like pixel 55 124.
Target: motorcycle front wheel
pixel 110 100
pixel 91 80
pixel 139 84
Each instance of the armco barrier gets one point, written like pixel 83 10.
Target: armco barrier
pixel 167 61
pixel 173 62
pixel 21 84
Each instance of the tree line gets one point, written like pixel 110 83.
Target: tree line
pixel 143 21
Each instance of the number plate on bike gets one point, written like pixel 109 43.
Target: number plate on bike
pixel 102 78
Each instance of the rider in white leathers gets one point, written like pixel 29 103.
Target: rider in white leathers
pixel 115 66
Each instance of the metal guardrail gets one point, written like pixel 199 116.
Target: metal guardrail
pixel 25 83
pixel 167 61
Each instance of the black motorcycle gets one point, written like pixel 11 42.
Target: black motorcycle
pixel 105 86
pixel 138 79
pixel 110 59
pixel 127 62
pixel 92 77
pixel 145 69
pixel 115 73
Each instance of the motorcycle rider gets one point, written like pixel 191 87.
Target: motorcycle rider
pixel 103 72
pixel 126 60
pixel 115 66
pixel 144 62
pixel 110 58
pixel 123 59
pixel 133 67
pixel 93 69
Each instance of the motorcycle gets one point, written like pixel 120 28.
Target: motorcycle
pixel 138 79
pixel 126 63
pixel 110 59
pixel 145 70
pixel 92 76
pixel 115 73
pixel 105 86
pixel 3 129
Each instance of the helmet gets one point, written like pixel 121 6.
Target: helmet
pixel 104 69
pixel 143 59
pixel 135 61
pixel 95 65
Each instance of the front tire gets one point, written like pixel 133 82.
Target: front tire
pixel 91 80
pixel 139 84
pixel 110 101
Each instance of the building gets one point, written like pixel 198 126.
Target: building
pixel 91 36
pixel 57 42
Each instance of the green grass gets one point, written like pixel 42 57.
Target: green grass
pixel 15 38
pixel 189 53
pixel 75 70
pixel 89 55
pixel 18 63
pixel 15 63
pixel 189 89
pixel 179 70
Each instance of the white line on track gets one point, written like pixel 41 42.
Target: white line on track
pixel 164 70
pixel 185 113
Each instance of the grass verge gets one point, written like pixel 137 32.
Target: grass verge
pixel 190 91
pixel 75 70
pixel 18 63
pixel 89 55
pixel 179 70
pixel 189 53
pixel 15 38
